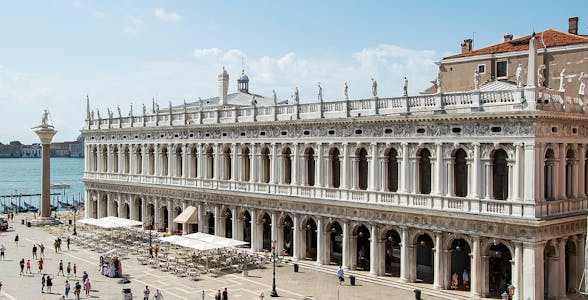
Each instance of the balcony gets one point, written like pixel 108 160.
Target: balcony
pixel 476 206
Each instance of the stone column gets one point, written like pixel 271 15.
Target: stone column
pixel 516 179
pixel 144 216
pixel 296 241
pixel 450 183
pixel 254 236
pixel 201 224
pixel 373 169
pixel 345 251
pixel 274 164
pixel 415 175
pixel 517 271
pixel 185 161
pixel 344 168
pixel 488 182
pixel 438 267
pixel 562 268
pixel 404 256
pixel 404 169
pixel 562 171
pixel 254 163
pixel 581 171
pixel 274 233
pixel 439 170
pixel 45 136
pixel 236 224
pixel 318 177
pixel 384 174
pixel 476 269
pixel 217 221
pixel 533 270
pixel 320 240
pixel 170 216
pixel 156 217
pixel 235 161
pixel 575 175
pixel 374 245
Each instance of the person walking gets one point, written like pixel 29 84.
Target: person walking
pixel 67 288
pixel 16 239
pixel 60 268
pixel 40 265
pixel 78 290
pixel 68 269
pixel 22 265
pixel 146 293
pixel 158 295
pixel 84 276
pixel 225 295
pixel 68 242
pixel 218 295
pixel 35 251
pixel 341 275
pixel 75 270
pixel 42 248
pixel 0 286
pixel 49 283
pixel 29 266
pixel 2 250
pixel 87 286
pixel 42 283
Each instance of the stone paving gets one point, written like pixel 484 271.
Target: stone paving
pixel 310 283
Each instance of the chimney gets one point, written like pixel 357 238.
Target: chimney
pixel 573 25
pixel 507 37
pixel 466 46
pixel 223 86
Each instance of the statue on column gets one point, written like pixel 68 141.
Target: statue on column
pixel 581 79
pixel 144 110
pixel 540 76
pixel 519 76
pixel 346 91
pixel 476 80
pixel 374 88
pixel 275 97
pixel 562 80
pixel 438 82
pixel 45 119
pixel 405 87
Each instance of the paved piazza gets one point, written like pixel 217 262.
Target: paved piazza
pixel 309 283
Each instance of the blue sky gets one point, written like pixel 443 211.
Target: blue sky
pixel 53 53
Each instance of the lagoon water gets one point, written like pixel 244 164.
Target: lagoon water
pixel 23 176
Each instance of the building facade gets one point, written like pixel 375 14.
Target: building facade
pixel 415 187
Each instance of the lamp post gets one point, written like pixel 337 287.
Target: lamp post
pixel 274 293
pixel 150 242
pixel 75 213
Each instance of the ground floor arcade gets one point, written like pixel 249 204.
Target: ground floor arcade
pixel 423 251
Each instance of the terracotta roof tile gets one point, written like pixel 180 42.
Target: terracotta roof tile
pixel 547 38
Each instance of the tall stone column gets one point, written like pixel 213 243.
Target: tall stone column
pixel 345 251
pixel 438 262
pixel 438 170
pixel 373 169
pixel 517 271
pixel 296 242
pixel 476 269
pixel 45 135
pixel 404 261
pixel 344 167
pixel 274 232
pixel 375 256
pixel 217 221
pixel 320 245
pixel 533 270
pixel 562 268
pixel 404 169
pixel 476 172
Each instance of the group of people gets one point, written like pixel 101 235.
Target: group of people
pixel 147 292
pixel 465 280
pixel 222 296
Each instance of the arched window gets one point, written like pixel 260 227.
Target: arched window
pixel 392 161
pixel 246 162
pixel 139 160
pixel 194 164
pixel 94 161
pixel 164 161
pixel 424 171
pixel 178 163
pixel 227 159
pixel 126 160
pixel 548 171
pixel 362 169
pixel 335 168
pixel 310 166
pixel 104 167
pixel 265 165
pixel 500 175
pixel 209 163
pixel 151 159
pixel 570 164
pixel 460 173
pixel 287 166
pixel 115 159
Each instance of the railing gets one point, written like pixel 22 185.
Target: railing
pixel 472 100
pixel 519 209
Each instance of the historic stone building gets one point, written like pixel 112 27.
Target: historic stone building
pixel 415 187
pixel 557 51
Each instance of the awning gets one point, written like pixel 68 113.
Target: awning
pixel 188 216
pixel 111 222
pixel 213 239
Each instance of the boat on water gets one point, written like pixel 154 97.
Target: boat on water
pixel 60 186
pixel 64 204
pixel 30 207
pixel 19 209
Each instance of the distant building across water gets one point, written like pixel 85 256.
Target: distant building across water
pixel 60 149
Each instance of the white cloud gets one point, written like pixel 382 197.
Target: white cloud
pixel 164 15
pixel 133 25
pixel 177 80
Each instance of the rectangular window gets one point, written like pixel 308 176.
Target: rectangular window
pixel 482 68
pixel 501 69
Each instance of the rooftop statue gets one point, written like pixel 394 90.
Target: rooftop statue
pixel 476 80
pixel 346 91
pixel 519 75
pixel 438 80
pixel 405 86
pixel 118 110
pixel 562 80
pixel 131 110
pixel 375 88
pixel 540 76
pixel 44 120
pixel 144 110
pixel 253 100
pixel 296 96
pixel 320 92
pixel 275 97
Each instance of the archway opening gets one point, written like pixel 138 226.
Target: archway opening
pixel 164 162
pixel 210 218
pixel 362 169
pixel 94 209
pixel 499 269
pixel 460 173
pixel 246 163
pixel 178 163
pixel 500 175
pixel 267 232
pixel 363 248
pixel 164 219
pixel 247 227
pixel 424 260
pixel 265 165
pixel 288 235
pixel 126 211
pixel 392 253
pixel 336 244
pixel 114 209
pixel 177 226
pixel 392 161
pixel 424 171
pixel 311 239
pixel 548 175
pixel 570 165
pixel 287 164
pixel 228 224
pixel 460 264
pixel 335 168
pixel 571 276
pixel 310 167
